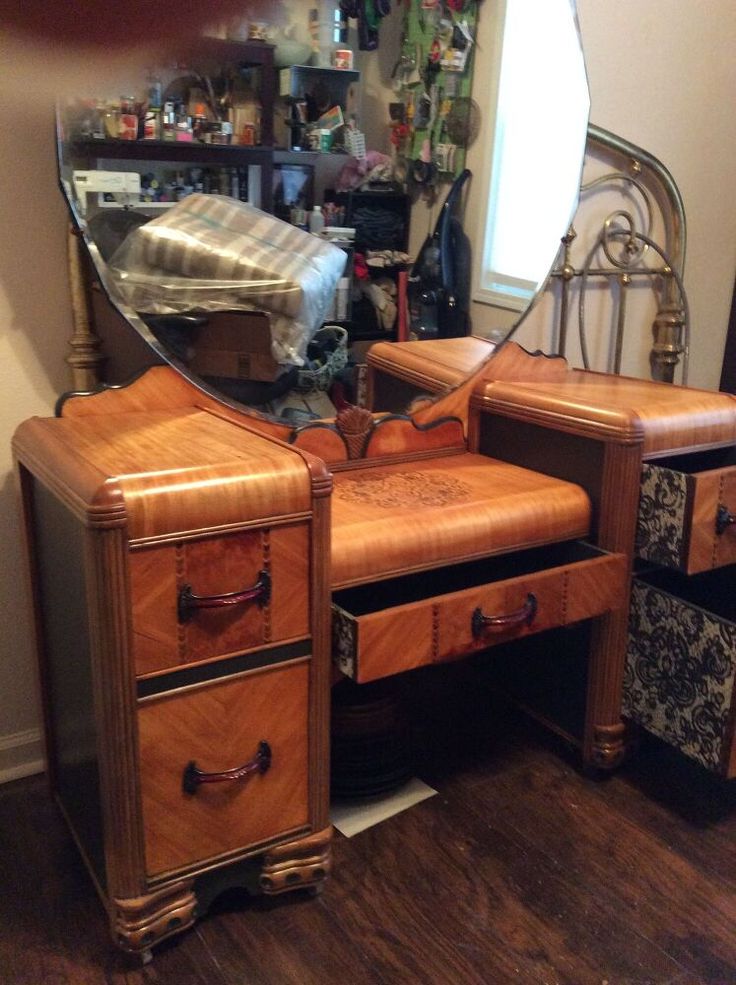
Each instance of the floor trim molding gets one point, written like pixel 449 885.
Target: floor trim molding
pixel 21 754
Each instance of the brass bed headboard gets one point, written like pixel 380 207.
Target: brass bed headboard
pixel 627 237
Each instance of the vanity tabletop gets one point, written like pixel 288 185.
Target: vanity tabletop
pixel 663 417
pixel 410 516
pixel 435 364
pixel 166 471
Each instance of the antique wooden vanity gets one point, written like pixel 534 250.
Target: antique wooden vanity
pixel 187 561
pixel 202 575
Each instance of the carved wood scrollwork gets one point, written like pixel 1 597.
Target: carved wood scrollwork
pixel 355 425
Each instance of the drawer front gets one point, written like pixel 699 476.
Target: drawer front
pixel 218 727
pixel 679 515
pixel 164 637
pixel 447 627
pixel 680 669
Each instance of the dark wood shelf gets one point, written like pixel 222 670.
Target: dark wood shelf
pixel 224 52
pixel 170 150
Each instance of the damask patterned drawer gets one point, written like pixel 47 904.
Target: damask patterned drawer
pixel 396 625
pixel 681 663
pixel 687 512
pixel 197 599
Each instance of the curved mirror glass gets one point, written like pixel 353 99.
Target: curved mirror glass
pixel 529 208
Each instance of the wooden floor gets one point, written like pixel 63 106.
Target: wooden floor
pixel 521 870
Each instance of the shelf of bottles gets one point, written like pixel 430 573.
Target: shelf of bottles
pixel 183 139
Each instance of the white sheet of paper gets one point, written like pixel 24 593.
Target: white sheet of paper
pixel 351 818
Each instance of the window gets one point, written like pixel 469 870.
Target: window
pixel 533 167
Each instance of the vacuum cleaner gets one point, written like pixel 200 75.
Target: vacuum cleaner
pixel 438 287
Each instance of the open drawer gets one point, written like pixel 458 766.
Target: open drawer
pixel 681 663
pixel 687 511
pixel 443 614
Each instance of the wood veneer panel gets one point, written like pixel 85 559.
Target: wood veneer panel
pixel 321 665
pixel 169 471
pixel 433 364
pixel 219 726
pixel 708 549
pixel 663 417
pixel 214 566
pixel 159 388
pixel 399 372
pixel 398 436
pixel 401 518
pixel 407 623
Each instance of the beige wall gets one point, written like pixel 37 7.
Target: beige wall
pixel 661 74
pixel 34 324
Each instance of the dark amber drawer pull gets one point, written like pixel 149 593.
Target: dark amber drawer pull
pixel 188 602
pixel 523 616
pixel 260 764
pixel 724 519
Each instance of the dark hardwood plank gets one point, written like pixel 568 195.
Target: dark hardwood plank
pixel 521 870
pixel 53 927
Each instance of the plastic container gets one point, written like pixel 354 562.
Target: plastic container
pixel 341 299
pixel 316 220
pixel 344 58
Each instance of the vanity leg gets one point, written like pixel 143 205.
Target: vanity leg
pixel 140 922
pixel 301 864
pixel 604 745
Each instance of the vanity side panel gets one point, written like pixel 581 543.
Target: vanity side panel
pixel 63 604
pixel 80 575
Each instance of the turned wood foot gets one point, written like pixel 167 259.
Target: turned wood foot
pixel 301 864
pixel 141 922
pixel 608 747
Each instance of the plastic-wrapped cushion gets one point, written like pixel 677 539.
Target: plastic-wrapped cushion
pixel 210 253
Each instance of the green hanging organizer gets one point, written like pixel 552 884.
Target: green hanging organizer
pixel 435 72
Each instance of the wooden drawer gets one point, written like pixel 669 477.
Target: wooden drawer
pixel 687 510
pixel 402 623
pixel 220 726
pixel 164 637
pixel 681 662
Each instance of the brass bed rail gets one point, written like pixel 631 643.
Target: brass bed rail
pixel 640 241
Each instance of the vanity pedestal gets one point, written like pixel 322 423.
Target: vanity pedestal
pixel 180 590
pixel 619 439
pixel 659 465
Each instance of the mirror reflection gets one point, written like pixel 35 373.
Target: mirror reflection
pixel 249 305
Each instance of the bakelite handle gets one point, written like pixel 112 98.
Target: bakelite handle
pixel 260 764
pixel 724 519
pixel 188 602
pixel 523 616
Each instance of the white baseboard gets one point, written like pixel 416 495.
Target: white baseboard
pixel 21 754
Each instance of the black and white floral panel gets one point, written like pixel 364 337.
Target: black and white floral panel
pixel 680 673
pixel 661 525
pixel 344 640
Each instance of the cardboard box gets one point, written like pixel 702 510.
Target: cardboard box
pixel 237 345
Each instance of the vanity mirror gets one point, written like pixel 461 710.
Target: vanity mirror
pixel 113 341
